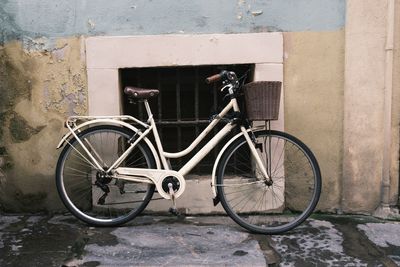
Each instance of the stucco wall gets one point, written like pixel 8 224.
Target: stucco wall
pixel 363 105
pixel 364 119
pixel 43 75
pixel 314 67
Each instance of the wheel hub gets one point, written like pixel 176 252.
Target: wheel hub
pixel 103 177
pixel 269 182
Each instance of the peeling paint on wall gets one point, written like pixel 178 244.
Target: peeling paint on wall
pixel 40 84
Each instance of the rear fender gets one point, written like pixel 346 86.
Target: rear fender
pixel 110 122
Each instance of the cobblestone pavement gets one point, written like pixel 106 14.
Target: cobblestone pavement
pixel 324 240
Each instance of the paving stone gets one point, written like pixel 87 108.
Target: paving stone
pixel 177 245
pixel 325 240
pixel 386 236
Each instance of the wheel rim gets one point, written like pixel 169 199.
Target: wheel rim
pixel 83 186
pixel 255 204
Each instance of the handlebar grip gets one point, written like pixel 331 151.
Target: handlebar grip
pixel 214 78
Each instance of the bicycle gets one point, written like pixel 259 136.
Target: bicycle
pixel 267 181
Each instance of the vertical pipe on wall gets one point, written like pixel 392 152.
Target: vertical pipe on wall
pixel 385 200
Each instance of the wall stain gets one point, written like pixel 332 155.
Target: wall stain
pixel 14 84
pixel 20 129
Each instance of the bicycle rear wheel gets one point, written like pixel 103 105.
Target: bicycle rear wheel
pixel 93 196
pixel 255 204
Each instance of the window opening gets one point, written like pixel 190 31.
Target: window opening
pixel 184 106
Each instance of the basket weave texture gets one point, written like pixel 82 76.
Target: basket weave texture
pixel 262 100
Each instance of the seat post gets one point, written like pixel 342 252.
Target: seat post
pixel 156 135
pixel 148 110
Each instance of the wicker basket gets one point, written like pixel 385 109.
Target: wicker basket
pixel 262 100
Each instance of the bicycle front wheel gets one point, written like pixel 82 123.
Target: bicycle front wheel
pixel 93 196
pixel 267 207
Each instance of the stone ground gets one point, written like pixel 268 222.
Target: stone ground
pixel 324 240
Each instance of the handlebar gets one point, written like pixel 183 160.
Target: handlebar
pixel 229 80
pixel 213 79
pixel 217 77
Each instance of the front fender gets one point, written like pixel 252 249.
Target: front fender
pixel 111 122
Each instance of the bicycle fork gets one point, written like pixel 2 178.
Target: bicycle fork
pixel 256 156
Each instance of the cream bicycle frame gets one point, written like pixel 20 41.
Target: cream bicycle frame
pixel 150 126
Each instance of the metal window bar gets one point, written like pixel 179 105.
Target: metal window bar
pixel 196 108
pixel 159 102
pixel 139 84
pixel 178 113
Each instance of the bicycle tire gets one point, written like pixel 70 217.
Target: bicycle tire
pixel 75 197
pixel 294 199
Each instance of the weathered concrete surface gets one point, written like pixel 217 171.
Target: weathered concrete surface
pixel 182 245
pixel 39 89
pixel 194 241
pixel 313 87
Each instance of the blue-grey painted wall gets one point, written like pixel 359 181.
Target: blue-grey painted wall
pixel 62 18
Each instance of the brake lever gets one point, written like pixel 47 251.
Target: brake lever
pixel 225 87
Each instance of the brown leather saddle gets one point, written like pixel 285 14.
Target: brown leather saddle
pixel 140 93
